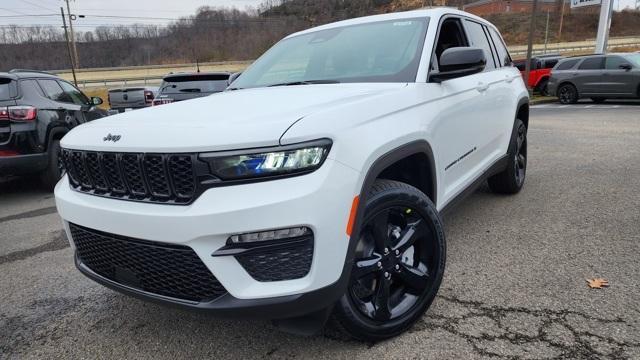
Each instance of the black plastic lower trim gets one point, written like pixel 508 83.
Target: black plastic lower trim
pixel 273 308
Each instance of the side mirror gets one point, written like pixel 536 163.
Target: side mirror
pixel 96 101
pixel 233 77
pixel 625 66
pixel 459 61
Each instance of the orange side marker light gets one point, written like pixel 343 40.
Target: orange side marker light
pixel 352 214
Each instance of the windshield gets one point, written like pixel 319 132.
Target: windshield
pixel 187 84
pixel 385 51
pixel 634 58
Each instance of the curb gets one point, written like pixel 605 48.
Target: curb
pixel 543 101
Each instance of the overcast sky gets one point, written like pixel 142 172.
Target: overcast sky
pixel 15 11
pixel 163 9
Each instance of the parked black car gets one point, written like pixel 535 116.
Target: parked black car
pixel 36 110
pixel 185 86
pixel 598 77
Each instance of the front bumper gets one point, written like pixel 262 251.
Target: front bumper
pixel 320 200
pixel 552 87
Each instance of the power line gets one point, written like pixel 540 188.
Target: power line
pixel 28 15
pixel 13 11
pixel 37 5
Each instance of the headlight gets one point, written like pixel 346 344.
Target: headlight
pixel 277 161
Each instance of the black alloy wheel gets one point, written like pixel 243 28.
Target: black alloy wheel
pixel 398 267
pixel 520 161
pixel 568 94
pixel 511 179
pixel 393 263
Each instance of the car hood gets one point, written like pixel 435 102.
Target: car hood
pixel 229 120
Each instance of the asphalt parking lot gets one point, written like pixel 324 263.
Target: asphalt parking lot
pixel 514 285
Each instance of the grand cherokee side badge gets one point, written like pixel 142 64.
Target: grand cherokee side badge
pixel 113 138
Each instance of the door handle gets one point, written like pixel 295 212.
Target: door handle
pixel 482 87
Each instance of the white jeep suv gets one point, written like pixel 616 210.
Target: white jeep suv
pixel 312 188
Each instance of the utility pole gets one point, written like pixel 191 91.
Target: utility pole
pixel 606 7
pixel 532 28
pixel 546 33
pixel 73 36
pixel 561 19
pixel 66 36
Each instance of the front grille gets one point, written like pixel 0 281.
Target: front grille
pixel 162 178
pixel 175 271
pixel 286 263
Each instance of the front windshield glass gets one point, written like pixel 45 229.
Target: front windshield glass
pixel 385 51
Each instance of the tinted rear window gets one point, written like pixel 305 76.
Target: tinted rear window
pixel 7 89
pixel 566 65
pixel 592 64
pixel 550 63
pixel 195 84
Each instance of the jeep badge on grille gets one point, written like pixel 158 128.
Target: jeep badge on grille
pixel 113 138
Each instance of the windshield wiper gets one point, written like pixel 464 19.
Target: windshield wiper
pixel 307 82
pixel 191 90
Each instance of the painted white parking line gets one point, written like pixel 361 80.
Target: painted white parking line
pixel 576 107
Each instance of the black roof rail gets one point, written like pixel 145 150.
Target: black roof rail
pixel 585 55
pixel 13 71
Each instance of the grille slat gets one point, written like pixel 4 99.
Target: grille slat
pixel 155 168
pixel 162 178
pixel 95 171
pixel 164 269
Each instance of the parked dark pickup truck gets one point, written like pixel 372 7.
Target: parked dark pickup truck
pixel 123 99
pixel 36 110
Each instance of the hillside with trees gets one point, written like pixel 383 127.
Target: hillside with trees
pixel 214 34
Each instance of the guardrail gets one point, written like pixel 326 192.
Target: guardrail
pixel 570 49
pixel 145 80
pixel 149 67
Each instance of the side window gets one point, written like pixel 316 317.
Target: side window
pixel 450 35
pixel 592 63
pixel 76 95
pixel 30 90
pixel 53 91
pixel 550 63
pixel 503 54
pixel 566 65
pixel 478 39
pixel 614 62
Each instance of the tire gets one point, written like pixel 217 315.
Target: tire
pixel 568 94
pixel 409 274
pixel 598 100
pixel 54 171
pixel 543 87
pixel 511 180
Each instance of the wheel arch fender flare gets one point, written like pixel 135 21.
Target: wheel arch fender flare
pixel 522 112
pixel 56 133
pixel 376 168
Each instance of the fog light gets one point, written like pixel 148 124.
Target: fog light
pixel 270 235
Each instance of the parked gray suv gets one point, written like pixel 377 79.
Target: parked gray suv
pixel 598 77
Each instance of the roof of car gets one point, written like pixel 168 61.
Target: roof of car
pixel 181 74
pixel 26 73
pixel 434 13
